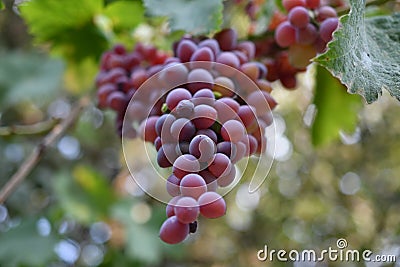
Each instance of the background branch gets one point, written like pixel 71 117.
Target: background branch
pixel 31 161
pixel 37 128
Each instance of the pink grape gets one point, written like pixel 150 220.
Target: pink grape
pixel 289 4
pixel 227 39
pixel 187 209
pixel 233 131
pixel 298 17
pixel 185 50
pixel 172 231
pixel 212 205
pixel 327 28
pixel 221 165
pixel 173 186
pixel 175 96
pixel 204 116
pixel 184 165
pixel 285 34
pixel 226 180
pixel 193 185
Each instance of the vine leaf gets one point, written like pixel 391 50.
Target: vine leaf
pixel 69 28
pixel 2 6
pixel 37 249
pixel 194 16
pixel 125 14
pixel 29 77
pixel 336 110
pixel 365 54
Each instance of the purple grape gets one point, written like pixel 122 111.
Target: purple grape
pixel 229 59
pixel 187 209
pixel 298 17
pixel 224 86
pixel 204 96
pixel 175 96
pixel 227 179
pixel 221 165
pixel 248 48
pixel 259 100
pixel 170 209
pixel 204 54
pixel 185 50
pixel 325 12
pixel 210 180
pixel 103 92
pixel 117 101
pixel 226 108
pixel 166 155
pixel 183 130
pixel 232 131
pixel 157 143
pixel 227 39
pixel 212 205
pixel 182 148
pixel 149 129
pixel 203 148
pixel 227 148
pixel 172 74
pixel 193 185
pixel 240 152
pixel 173 186
pixel 199 79
pixel 212 44
pixel 204 116
pixel 208 132
pixel 172 231
pixel 285 34
pixel 184 165
pixel 307 35
pixel 247 115
pixel 185 109
pixel 327 28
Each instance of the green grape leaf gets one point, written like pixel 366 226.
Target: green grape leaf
pixel 2 6
pixel 84 195
pixel 336 109
pixel 23 246
pixel 365 54
pixel 194 16
pixel 68 26
pixel 125 14
pixel 29 77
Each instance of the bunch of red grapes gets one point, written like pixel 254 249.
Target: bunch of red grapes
pixel 204 109
pixel 307 30
pixel 294 38
pixel 215 117
pixel 120 76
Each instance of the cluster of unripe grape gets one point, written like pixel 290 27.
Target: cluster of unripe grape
pixel 306 31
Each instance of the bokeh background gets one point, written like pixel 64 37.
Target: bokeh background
pixel 80 207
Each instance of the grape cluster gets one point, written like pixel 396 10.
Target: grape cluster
pixel 307 30
pixel 121 74
pixel 213 119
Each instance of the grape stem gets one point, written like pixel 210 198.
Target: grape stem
pixel 345 10
pixel 33 159
pixel 36 128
